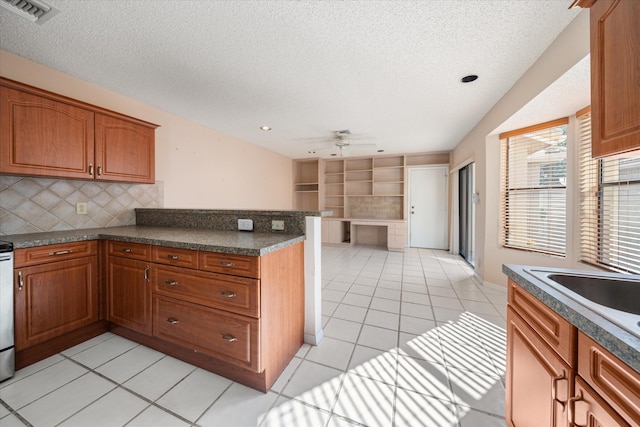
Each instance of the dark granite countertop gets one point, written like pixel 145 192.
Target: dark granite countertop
pixel 617 340
pixel 231 242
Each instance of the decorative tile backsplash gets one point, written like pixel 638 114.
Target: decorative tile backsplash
pixel 31 204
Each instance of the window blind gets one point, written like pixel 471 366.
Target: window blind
pixel 609 205
pixel 533 182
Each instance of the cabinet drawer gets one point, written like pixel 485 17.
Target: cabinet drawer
pixel 238 265
pixel 551 327
pixel 396 229
pixel 230 293
pixel 129 250
pixel 222 335
pixel 175 256
pixel 396 242
pixel 615 381
pixel 52 253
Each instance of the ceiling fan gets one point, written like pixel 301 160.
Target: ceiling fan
pixel 341 140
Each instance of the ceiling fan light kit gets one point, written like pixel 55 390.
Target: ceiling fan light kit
pixel 341 141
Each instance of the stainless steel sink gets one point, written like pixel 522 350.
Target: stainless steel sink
pixel 615 297
pixel 619 294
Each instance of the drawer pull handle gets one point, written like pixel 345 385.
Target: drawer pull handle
pixel 173 321
pixel 68 251
pixel 90 169
pixel 229 338
pixel 20 280
pixel 146 273
pixel 127 250
pixel 99 170
pixel 228 294
pixel 227 264
pixel 173 257
pixel 170 282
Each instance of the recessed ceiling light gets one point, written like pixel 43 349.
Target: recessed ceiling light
pixel 265 127
pixel 333 154
pixel 312 152
pixel 470 78
pixel 380 151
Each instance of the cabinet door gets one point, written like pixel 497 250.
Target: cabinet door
pixel 615 72
pixel 54 298
pixel 129 294
pixel 125 151
pixel 40 136
pixel 613 380
pixel 589 409
pixel 539 383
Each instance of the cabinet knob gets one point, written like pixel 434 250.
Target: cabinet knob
pixel 226 264
pixel 228 294
pixel 172 320
pixel 173 257
pixel 228 338
pixel 170 282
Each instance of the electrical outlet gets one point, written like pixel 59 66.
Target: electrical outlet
pixel 81 208
pixel 245 224
pixel 277 225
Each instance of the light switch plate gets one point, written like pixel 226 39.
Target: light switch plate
pixel 245 224
pixel 277 225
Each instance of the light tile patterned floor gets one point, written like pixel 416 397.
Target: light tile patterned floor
pixel 411 339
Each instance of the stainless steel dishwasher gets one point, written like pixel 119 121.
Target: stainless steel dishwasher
pixel 7 353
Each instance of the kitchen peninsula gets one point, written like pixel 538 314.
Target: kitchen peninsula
pixel 184 282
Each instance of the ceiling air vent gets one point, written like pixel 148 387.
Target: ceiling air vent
pixel 33 10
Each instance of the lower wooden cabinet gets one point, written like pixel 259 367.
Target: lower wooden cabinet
pixel 54 298
pixel 129 293
pixel 558 376
pixel 539 382
pixel 236 315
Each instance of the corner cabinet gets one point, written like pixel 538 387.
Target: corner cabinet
pixel 45 134
pixel 558 376
pixel 615 73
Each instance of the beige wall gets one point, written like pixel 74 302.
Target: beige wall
pixel 570 47
pixel 200 167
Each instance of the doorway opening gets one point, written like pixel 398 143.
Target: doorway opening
pixel 466 212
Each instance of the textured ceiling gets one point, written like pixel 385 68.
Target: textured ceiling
pixel 387 70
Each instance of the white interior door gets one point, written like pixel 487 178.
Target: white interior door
pixel 428 207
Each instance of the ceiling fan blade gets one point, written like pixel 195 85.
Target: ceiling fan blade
pixel 362 145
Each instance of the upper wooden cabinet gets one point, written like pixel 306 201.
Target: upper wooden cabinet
pixel 615 76
pixel 125 151
pixel 45 134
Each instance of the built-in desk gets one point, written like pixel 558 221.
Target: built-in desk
pixel 379 232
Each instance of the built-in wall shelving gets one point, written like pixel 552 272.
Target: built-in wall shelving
pixel 358 187
pixel 305 184
pixel 334 187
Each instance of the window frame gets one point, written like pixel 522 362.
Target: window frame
pixel 505 215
